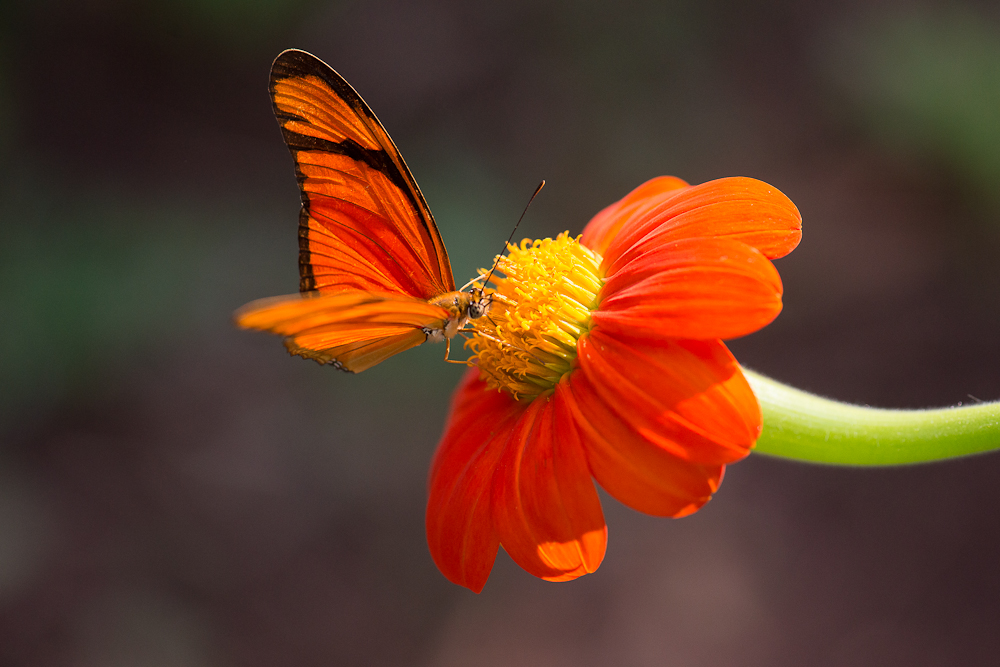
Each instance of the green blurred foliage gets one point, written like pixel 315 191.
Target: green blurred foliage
pixel 928 82
pixel 95 284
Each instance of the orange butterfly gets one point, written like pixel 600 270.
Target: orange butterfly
pixel 374 273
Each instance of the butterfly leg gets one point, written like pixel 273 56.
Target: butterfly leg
pixel 447 352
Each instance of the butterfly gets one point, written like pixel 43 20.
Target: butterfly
pixel 374 275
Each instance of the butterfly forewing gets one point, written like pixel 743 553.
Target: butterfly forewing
pixel 364 222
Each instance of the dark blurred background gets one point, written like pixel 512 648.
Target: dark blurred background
pixel 174 492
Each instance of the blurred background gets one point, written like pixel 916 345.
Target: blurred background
pixel 174 492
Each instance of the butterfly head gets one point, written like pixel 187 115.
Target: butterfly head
pixel 479 304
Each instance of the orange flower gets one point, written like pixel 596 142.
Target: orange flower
pixel 602 358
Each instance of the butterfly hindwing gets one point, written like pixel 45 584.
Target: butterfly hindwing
pixel 361 355
pixel 364 222
pixel 351 330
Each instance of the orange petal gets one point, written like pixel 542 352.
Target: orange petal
pixel 460 530
pixel 644 446
pixel 743 209
pixel 603 227
pixel 688 398
pixel 545 507
pixel 699 288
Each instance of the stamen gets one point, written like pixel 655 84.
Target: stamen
pixel 541 307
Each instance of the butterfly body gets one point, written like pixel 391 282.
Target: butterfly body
pixel 461 307
pixel 375 278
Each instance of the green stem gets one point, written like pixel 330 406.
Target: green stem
pixel 805 427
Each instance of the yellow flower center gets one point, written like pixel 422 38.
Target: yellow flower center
pixel 541 307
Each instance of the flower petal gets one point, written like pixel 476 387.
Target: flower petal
pixel 699 288
pixel 545 507
pixel 686 397
pixel 603 227
pixel 743 209
pixel 460 532
pixel 656 424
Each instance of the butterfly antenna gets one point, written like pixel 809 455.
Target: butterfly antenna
pixel 512 232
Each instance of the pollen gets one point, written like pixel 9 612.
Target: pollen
pixel 541 307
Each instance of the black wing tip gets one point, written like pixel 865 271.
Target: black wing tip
pixel 291 62
pixel 296 59
pixel 296 62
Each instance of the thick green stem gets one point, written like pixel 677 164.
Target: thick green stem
pixel 805 427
